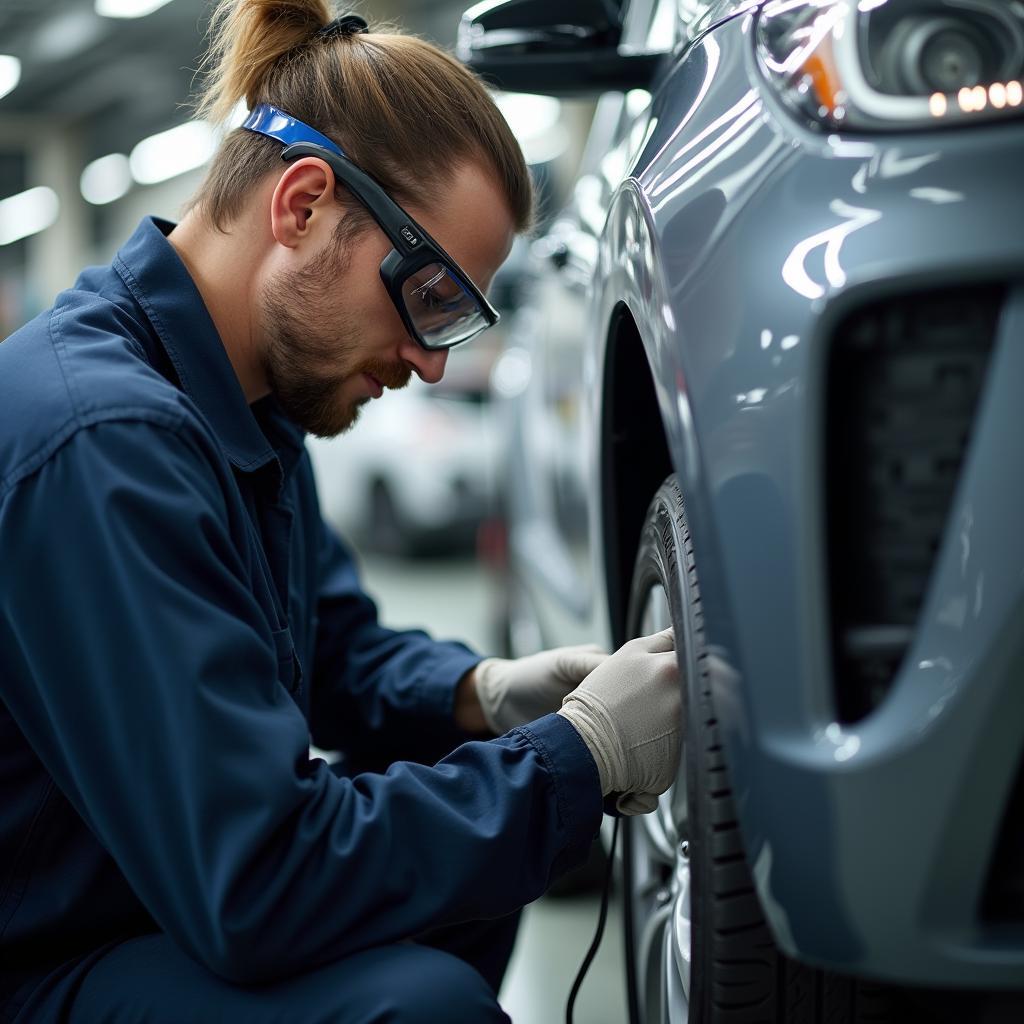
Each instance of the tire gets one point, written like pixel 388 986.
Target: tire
pixel 684 870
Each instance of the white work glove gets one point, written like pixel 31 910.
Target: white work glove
pixel 514 692
pixel 629 714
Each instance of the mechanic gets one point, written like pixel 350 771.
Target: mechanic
pixel 177 624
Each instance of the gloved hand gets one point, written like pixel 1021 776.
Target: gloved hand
pixel 514 692
pixel 629 714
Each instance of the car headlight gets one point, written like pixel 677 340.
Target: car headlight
pixel 894 64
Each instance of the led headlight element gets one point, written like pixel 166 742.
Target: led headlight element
pixel 893 64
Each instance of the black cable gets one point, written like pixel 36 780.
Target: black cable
pixel 601 918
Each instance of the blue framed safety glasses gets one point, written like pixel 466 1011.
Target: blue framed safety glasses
pixel 438 303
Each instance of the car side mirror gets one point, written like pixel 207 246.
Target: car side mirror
pixel 552 47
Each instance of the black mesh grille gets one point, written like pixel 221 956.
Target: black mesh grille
pixel 1004 893
pixel 903 382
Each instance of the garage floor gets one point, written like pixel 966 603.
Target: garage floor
pixel 451 600
pixel 552 943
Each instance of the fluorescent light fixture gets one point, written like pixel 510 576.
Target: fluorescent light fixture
pixel 128 8
pixel 173 152
pixel 527 114
pixel 10 73
pixel 239 112
pixel 27 213
pixel 534 121
pixel 106 179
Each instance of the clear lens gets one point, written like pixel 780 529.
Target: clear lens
pixel 441 308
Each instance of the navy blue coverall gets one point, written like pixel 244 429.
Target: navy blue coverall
pixel 176 625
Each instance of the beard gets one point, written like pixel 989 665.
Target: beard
pixel 306 367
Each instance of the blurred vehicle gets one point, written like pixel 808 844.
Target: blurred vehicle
pixel 415 475
pixel 765 388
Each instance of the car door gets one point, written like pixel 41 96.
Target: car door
pixel 549 496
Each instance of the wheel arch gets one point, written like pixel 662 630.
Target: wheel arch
pixel 635 457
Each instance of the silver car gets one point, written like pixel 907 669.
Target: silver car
pixel 766 387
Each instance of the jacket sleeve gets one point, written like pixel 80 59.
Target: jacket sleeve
pixel 144 676
pixel 377 694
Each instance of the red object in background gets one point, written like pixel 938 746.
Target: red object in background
pixel 492 543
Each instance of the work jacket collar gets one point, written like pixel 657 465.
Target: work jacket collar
pixel 162 286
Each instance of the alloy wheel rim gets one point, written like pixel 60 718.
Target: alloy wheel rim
pixel 661 878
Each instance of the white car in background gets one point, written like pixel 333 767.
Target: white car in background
pixel 416 473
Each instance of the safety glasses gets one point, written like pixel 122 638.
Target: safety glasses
pixel 438 303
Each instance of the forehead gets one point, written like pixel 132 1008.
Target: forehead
pixel 469 217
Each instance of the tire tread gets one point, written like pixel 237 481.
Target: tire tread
pixel 739 976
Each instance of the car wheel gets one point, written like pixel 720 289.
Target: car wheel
pixel 698 948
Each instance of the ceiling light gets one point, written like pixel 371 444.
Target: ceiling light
pixel 27 213
pixel 106 179
pixel 173 152
pixel 239 112
pixel 535 122
pixel 10 73
pixel 128 8
pixel 528 115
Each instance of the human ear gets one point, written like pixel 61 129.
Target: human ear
pixel 306 187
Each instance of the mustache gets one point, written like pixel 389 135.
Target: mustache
pixel 391 375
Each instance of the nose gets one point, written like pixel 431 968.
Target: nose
pixel 429 366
